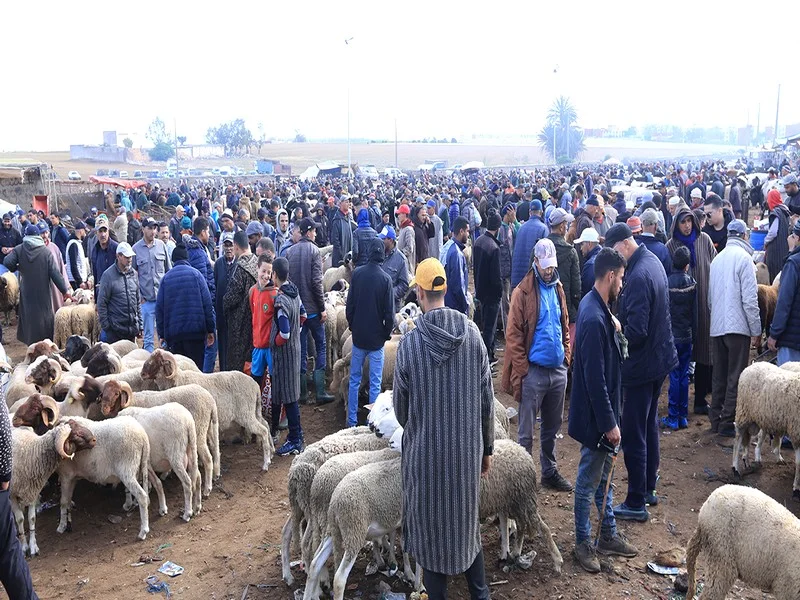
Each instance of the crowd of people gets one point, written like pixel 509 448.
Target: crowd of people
pixel 598 293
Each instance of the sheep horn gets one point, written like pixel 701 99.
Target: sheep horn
pixel 127 392
pixel 49 404
pixel 75 390
pixel 62 435
pixel 5 367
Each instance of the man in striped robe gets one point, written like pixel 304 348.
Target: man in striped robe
pixel 444 399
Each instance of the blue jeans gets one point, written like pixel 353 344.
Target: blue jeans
pixel 679 382
pixel 593 471
pixel 210 357
pixel 375 377
pixel 149 324
pixel 317 329
pixel 788 355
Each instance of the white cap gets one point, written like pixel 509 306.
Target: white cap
pixel 674 201
pixel 588 235
pixel 696 193
pixel 545 251
pixel 125 249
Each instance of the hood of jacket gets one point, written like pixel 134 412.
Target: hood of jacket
pixel 443 330
pixel 193 242
pixel 288 288
pixel 278 222
pixel 363 218
pixel 679 215
pixel 29 242
pixel 249 262
pixel 737 241
pixel 375 251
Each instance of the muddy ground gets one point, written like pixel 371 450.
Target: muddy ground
pixel 231 550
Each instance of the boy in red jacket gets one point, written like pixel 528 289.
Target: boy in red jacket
pixel 262 307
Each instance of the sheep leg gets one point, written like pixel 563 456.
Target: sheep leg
pixel 555 553
pixel 503 524
pixel 320 558
pixel 342 573
pixel 719 580
pixel 253 427
pixel 186 481
pixel 33 547
pixel 306 544
pixel 759 446
pixel 739 450
pixel 144 503
pixel 207 462
pixel 776 448
pixel 197 498
pixel 796 484
pixel 67 488
pixel 19 518
pixel 389 547
pixel 213 440
pixel 286 541
pixel 156 483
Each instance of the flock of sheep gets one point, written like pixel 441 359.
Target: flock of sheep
pixel 114 414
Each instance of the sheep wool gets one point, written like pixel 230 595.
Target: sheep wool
pixel 444 399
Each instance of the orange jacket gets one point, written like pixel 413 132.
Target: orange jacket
pixel 523 314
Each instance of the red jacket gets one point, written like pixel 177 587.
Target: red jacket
pixel 262 307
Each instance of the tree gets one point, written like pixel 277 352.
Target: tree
pixel 299 138
pixel 453 141
pixel 234 136
pixel 562 125
pixel 157 132
pixel 127 142
pixel 161 151
pixel 181 140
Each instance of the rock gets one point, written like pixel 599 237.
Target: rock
pixel 682 583
pixel 114 519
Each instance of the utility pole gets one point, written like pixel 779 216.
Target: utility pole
pixel 758 123
pixel 777 109
pixel 175 134
pixel 349 161
pixel 395 144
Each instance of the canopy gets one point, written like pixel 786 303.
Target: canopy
pixel 473 165
pixel 612 161
pixel 310 173
pixel 125 183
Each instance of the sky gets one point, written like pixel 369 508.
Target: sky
pixel 439 68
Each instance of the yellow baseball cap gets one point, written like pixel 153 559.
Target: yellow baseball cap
pixel 430 276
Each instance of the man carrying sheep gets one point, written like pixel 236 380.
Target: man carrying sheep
pixel 594 409
pixel 537 357
pixel 440 513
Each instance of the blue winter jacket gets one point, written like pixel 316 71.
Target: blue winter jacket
pixel 529 233
pixel 179 315
pixel 596 397
pixel 198 258
pixel 657 248
pixel 644 314
pixel 786 323
pixel 455 269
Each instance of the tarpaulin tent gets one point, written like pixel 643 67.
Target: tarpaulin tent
pixel 473 165
pixel 125 183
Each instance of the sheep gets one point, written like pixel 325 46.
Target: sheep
pixel 9 294
pixel 75 347
pixel 80 398
pixel 730 521
pixel 762 273
pixel 238 397
pixel 767 300
pixel 36 412
pixel 118 396
pixel 35 459
pixel 133 378
pixel 101 359
pixel 301 475
pixel 75 319
pixel 334 274
pixel 121 454
pixel 135 359
pixel 340 378
pixel 173 447
pixel 123 347
pixel 41 375
pixel 767 399
pixel 44 347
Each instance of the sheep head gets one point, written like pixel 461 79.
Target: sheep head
pixel 76 347
pixel 38 412
pixel 43 372
pixel 45 347
pixel 161 363
pixel 72 437
pixel 116 396
pixel 86 390
pixel 104 361
pixel 348 261
pixel 396 441
pixel 90 353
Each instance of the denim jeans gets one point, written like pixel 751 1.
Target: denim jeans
pixel 593 471
pixel 375 377
pixel 679 382
pixel 210 357
pixel 788 355
pixel 149 324
pixel 317 329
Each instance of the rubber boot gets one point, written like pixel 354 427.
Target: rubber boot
pixel 323 397
pixel 303 388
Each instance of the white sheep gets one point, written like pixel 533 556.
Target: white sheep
pixel 173 447
pixel 80 399
pixel 9 294
pixel 133 378
pixel 301 475
pixel 35 459
pixel 767 401
pixel 238 397
pixel 121 454
pixel 730 524
pixel 123 347
pixel 117 396
pixel 135 359
pixel 334 274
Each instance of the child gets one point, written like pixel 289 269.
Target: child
pixel 262 307
pixel 285 347
pixel 683 312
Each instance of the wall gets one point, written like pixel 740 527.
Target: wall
pixel 201 151
pixel 99 153
pixel 20 193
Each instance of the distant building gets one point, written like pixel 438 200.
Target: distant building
pixel 744 136
pixel 109 138
pixel 98 153
pixel 201 151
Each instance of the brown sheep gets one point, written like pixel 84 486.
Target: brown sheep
pixel 767 300
pixel 39 412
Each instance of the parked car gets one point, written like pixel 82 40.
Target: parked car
pixel 369 172
pixel 74 176
pixel 137 174
pixel 392 172
pixel 252 172
pixel 123 174
pixel 101 172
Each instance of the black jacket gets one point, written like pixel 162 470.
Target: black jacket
pixel 643 312
pixel 9 238
pixel 486 268
pixel 370 303
pixel 682 307
pixel 118 306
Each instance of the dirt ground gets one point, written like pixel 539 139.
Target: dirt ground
pixel 231 550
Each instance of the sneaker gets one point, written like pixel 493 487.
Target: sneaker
pixel 670 423
pixel 290 447
pixel 650 498
pixel 617 546
pixel 586 556
pixel 683 422
pixel 623 513
pixel 557 482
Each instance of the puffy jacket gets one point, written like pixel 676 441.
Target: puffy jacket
pixel 370 304
pixel 60 237
pixel 198 258
pixel 486 268
pixel 305 271
pixel 184 310
pixel 118 307
pixel 683 307
pixel 587 272
pixel 361 243
pixel 786 323
pixel 657 248
pixel 644 315
pixel 529 233
pixel 341 237
pixel 569 269
pixel 395 266
pixel 733 291
pixel 455 268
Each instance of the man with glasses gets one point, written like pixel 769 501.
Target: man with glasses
pixel 151 262
pixel 717 219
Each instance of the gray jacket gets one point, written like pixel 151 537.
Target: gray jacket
pixel 395 266
pixel 305 271
pixel 151 263
pixel 118 306
pixel 733 292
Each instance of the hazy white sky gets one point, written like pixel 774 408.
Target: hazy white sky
pixel 441 69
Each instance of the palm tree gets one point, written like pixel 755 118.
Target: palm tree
pixel 562 121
